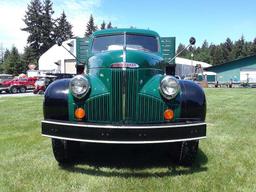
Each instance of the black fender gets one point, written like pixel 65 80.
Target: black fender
pixel 193 102
pixel 56 100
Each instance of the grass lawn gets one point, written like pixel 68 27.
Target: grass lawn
pixel 226 159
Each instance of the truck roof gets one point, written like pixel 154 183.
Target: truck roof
pixel 128 30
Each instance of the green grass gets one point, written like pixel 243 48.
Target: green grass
pixel 226 159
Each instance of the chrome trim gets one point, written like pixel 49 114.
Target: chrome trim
pixel 169 97
pixel 125 142
pixel 124 80
pixel 79 96
pixel 123 127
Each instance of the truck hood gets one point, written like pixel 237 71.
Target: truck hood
pixel 142 59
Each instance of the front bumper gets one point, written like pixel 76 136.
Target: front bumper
pixel 136 134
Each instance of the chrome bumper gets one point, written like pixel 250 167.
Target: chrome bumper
pixel 124 134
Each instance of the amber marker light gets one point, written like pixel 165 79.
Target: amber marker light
pixel 79 113
pixel 168 114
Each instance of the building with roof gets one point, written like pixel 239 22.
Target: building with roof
pixel 238 71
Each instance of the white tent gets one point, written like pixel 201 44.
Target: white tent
pixel 186 67
pixel 58 60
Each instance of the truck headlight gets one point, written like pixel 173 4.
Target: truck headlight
pixel 79 86
pixel 169 87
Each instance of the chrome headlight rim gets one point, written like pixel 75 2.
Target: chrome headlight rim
pixel 163 93
pixel 85 81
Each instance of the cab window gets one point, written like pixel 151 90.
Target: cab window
pixel 133 42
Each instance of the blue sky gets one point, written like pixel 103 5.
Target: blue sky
pixel 212 20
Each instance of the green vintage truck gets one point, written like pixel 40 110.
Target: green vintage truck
pixel 125 92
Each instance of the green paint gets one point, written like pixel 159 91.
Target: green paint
pixel 231 70
pixel 143 102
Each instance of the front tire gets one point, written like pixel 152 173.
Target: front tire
pixel 65 152
pixel 186 152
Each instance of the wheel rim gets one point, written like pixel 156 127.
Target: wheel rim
pixel 14 90
pixel 22 90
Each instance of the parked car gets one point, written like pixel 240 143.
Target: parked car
pixel 5 77
pixel 18 85
pixel 129 95
pixel 42 83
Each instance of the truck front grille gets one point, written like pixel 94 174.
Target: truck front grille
pixel 125 104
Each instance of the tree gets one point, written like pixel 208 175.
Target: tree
pixel 13 64
pixel 39 25
pixel 28 56
pixel 90 27
pixel 33 21
pixel 109 26
pixel 239 50
pixel 253 47
pixel 63 28
pixel 103 25
pixel 6 54
pixel 47 27
pixel 180 48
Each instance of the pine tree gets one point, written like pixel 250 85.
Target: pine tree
pixel 33 21
pixel 103 25
pixel 6 54
pixel 109 26
pixel 47 27
pixel 63 29
pixel 90 27
pixel 239 50
pixel 39 25
pixel 253 47
pixel 28 56
pixel 180 48
pixel 13 64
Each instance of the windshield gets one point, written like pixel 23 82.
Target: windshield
pixel 133 42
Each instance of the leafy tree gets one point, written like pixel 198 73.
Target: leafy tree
pixel 109 26
pixel 90 27
pixel 63 28
pixel 103 25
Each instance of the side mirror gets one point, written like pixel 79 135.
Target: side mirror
pixel 192 40
pixel 59 41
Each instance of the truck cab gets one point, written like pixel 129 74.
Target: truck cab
pixel 125 92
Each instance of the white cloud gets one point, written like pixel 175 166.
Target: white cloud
pixel 11 14
pixel 77 11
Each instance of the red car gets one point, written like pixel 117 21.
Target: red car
pixel 18 85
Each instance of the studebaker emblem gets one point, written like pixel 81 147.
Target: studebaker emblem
pixel 124 65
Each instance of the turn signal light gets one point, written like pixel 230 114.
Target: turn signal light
pixel 168 114
pixel 79 113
